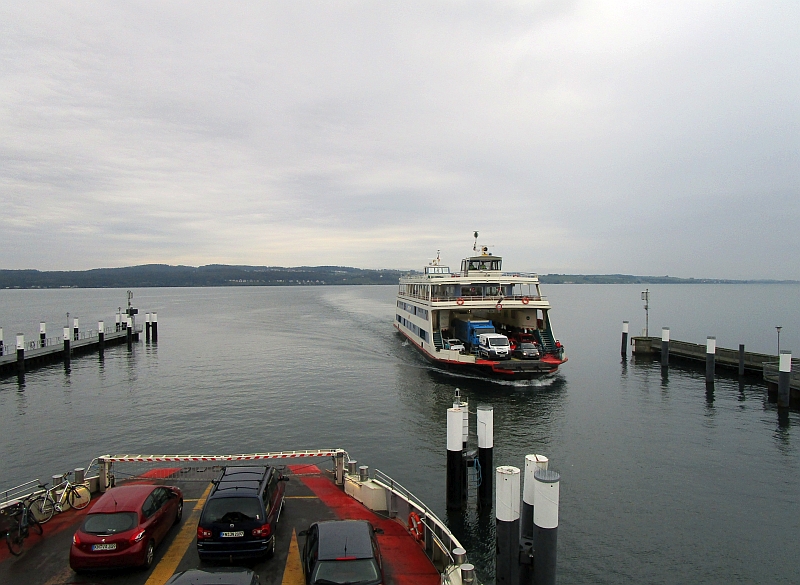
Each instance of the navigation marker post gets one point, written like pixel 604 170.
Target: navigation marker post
pixel 624 349
pixel 784 378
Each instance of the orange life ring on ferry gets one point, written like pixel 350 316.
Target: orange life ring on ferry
pixel 499 306
pixel 415 526
pixel 525 300
pixel 459 301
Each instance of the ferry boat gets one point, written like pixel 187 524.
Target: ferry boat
pixel 439 308
pixel 416 546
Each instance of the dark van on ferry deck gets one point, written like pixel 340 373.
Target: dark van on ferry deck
pixel 241 514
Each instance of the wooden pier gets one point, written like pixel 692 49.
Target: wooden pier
pixel 35 355
pixel 764 364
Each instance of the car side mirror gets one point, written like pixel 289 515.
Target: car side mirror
pixel 378 530
pixel 284 478
pixel 303 533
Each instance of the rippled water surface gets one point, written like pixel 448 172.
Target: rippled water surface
pixel 661 481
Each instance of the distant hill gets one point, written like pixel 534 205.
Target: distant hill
pixel 163 275
pixel 630 279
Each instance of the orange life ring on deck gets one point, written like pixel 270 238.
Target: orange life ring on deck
pixel 459 301
pixel 415 526
pixel 525 300
pixel 499 307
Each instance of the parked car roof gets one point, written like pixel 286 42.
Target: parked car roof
pixel 214 576
pixel 345 538
pixel 123 498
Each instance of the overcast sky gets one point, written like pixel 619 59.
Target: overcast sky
pixel 647 138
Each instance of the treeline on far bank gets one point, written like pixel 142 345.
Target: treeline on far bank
pixel 162 275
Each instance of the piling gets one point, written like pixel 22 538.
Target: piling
pixel 664 347
pixel 21 353
pixel 545 521
pixel 1 341
pixel 154 326
pixel 42 334
pixel 101 334
pixel 741 359
pixel 117 325
pixel 66 345
pixel 624 349
pixel 467 573
pixel 75 331
pixel 784 378
pixel 507 522
pixel 532 463
pixel 147 327
pixel 711 350
pixel 129 330
pixel 485 453
pixel 455 459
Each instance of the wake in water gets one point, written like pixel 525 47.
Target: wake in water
pixel 543 382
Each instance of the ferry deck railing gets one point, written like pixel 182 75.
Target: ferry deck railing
pixel 454 298
pixel 439 541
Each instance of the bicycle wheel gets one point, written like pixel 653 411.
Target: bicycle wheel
pixel 33 524
pixel 79 497
pixel 43 509
pixel 14 541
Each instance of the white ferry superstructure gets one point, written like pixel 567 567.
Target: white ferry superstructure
pixel 438 304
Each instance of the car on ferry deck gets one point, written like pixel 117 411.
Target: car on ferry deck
pixel 525 350
pixel 455 344
pixel 241 514
pixel 342 551
pixel 125 526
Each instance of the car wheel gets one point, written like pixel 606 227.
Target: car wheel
pixel 179 515
pixel 149 554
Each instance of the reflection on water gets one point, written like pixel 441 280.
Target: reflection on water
pixel 311 367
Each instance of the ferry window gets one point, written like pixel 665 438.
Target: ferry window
pixel 492 290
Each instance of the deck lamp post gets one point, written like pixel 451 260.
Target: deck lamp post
pixel 778 329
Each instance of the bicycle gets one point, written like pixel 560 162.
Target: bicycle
pixel 26 521
pixel 76 495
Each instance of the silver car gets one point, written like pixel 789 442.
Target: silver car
pixel 455 344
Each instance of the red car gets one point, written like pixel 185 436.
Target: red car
pixel 125 526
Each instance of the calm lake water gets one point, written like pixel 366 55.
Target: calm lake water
pixel 660 482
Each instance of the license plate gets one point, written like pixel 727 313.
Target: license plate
pixel 104 547
pixel 232 534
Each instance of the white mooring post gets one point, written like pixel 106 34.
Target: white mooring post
pixel 2 349
pixel 42 334
pixel 664 347
pixel 66 344
pixel 784 378
pixel 624 349
pixel 154 326
pixel 711 350
pixel 147 327
pixel 455 459
pixel 486 453
pixel 20 353
pixel 532 464
pixel 75 329
pixel 545 526
pixel 101 335
pixel 507 523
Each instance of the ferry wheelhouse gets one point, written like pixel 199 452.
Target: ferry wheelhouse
pixel 439 307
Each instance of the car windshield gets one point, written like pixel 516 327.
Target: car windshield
pixel 527 346
pixel 110 523
pixel 350 571
pixel 232 510
pixel 498 341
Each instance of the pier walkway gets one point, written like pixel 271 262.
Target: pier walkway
pixel 35 354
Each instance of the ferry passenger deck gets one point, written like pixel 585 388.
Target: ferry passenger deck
pixel 311 495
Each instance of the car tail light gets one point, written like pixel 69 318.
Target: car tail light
pixel 76 539
pixel 137 537
pixel 262 531
pixel 203 533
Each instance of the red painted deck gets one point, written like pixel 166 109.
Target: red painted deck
pixel 405 563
